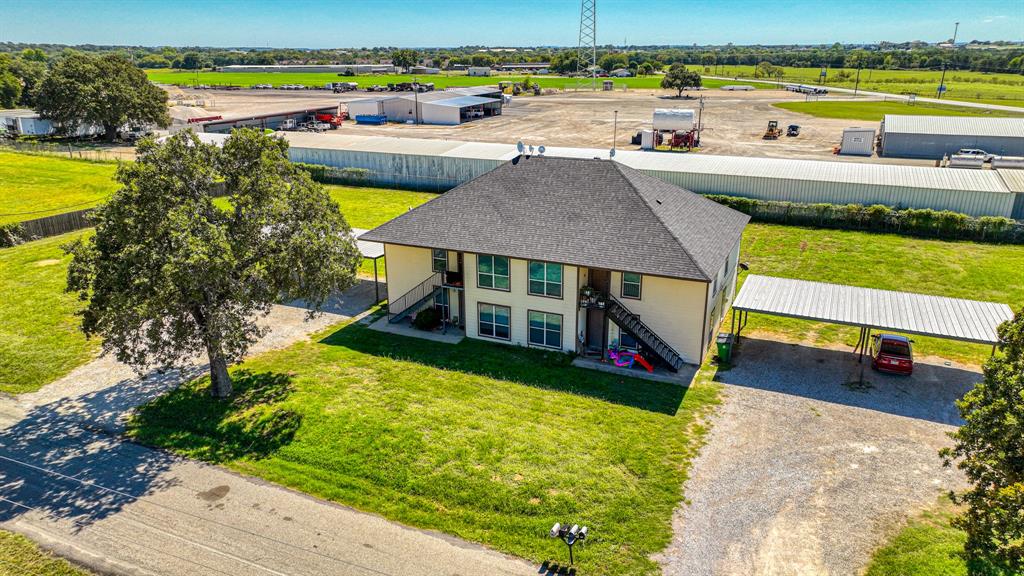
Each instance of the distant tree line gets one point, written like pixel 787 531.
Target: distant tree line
pixel 975 56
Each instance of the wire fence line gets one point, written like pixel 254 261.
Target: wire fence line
pixel 68 151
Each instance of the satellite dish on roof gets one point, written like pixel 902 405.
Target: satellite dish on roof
pixel 531 149
pixel 611 153
pixel 520 147
pixel 541 150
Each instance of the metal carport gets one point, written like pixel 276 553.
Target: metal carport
pixel 869 309
pixel 370 251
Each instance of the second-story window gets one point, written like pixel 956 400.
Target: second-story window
pixel 492 272
pixel 439 260
pixel 631 285
pixel 545 279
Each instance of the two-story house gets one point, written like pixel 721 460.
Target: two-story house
pixel 576 255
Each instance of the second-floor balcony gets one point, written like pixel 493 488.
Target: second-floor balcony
pixel 453 279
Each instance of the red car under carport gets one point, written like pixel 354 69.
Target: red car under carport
pixel 892 353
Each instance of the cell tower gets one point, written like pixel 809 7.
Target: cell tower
pixel 586 53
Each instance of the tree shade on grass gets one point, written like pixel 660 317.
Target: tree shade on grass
pixel 36 185
pixel 39 336
pixel 875 110
pixel 488 442
pixel 19 556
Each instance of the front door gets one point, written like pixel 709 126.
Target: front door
pixel 600 281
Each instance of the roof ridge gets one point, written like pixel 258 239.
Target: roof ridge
pixel 678 241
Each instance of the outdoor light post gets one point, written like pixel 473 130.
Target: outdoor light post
pixel 615 130
pixel 416 97
pixel 569 535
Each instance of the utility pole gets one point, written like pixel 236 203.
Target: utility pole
pixel 416 97
pixel 942 80
pixel 615 131
pixel 857 84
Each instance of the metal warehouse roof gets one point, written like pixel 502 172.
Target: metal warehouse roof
pixel 906 312
pixel 954 125
pixel 1014 179
pixel 462 101
pixel 473 90
pixel 891 175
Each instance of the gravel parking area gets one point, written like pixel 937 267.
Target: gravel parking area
pixel 807 470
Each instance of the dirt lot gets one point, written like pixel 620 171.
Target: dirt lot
pixel 734 121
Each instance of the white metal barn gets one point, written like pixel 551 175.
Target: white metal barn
pixel 443 164
pixel 448 107
pixel 933 137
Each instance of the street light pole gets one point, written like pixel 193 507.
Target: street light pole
pixel 615 130
pixel 942 80
pixel 416 97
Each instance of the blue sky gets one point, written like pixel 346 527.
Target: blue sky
pixel 412 23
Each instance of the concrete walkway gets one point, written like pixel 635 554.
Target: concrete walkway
pixel 71 484
pixel 807 471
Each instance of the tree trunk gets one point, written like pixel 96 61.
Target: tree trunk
pixel 109 132
pixel 220 380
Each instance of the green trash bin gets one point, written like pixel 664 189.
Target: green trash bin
pixel 725 347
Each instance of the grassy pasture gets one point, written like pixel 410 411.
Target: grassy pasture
pixel 875 110
pixel 1005 89
pixel 39 185
pixel 317 79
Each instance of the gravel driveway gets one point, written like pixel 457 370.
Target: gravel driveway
pixel 806 473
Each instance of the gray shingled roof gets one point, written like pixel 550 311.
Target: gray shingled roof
pixel 595 213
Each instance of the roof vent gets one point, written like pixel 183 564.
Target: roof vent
pixel 658 201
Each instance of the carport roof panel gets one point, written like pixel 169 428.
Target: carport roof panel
pixel 954 318
pixel 372 250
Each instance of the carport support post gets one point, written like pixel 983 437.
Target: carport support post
pixel 376 285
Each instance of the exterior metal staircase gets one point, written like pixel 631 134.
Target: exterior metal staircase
pixel 653 343
pixel 412 299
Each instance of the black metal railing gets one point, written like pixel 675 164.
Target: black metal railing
pixel 406 302
pixel 632 324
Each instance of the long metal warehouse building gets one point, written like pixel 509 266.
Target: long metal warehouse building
pixel 933 137
pixel 439 165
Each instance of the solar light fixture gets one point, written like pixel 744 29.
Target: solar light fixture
pixel 571 535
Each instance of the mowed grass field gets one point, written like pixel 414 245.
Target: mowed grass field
pixel 19 556
pixel 40 339
pixel 875 110
pixel 1005 89
pixel 34 186
pixel 484 441
pixel 318 79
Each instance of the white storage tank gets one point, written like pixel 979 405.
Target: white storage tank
pixel 857 142
pixel 678 119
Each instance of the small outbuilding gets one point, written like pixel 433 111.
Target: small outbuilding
pixel 447 107
pixel 857 142
pixel 933 137
pixel 478 71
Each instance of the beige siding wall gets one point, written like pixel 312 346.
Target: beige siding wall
pixel 520 302
pixel 406 267
pixel 723 290
pixel 673 308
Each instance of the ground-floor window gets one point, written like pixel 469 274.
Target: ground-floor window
pixel 545 329
pixel 627 341
pixel 494 321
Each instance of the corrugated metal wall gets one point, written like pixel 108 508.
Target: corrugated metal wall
pixel 934 146
pixel 440 173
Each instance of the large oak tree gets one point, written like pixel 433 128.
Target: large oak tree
pixel 989 448
pixel 170 275
pixel 107 91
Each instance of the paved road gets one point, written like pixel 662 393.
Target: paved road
pixel 68 482
pixel 805 473
pixel 886 95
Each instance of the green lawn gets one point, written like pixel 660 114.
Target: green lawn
pixel 19 556
pixel 958 269
pixel 484 441
pixel 317 79
pixel 1005 89
pixel 37 185
pixel 39 336
pixel 874 111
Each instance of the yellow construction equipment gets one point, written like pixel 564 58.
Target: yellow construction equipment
pixel 773 132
